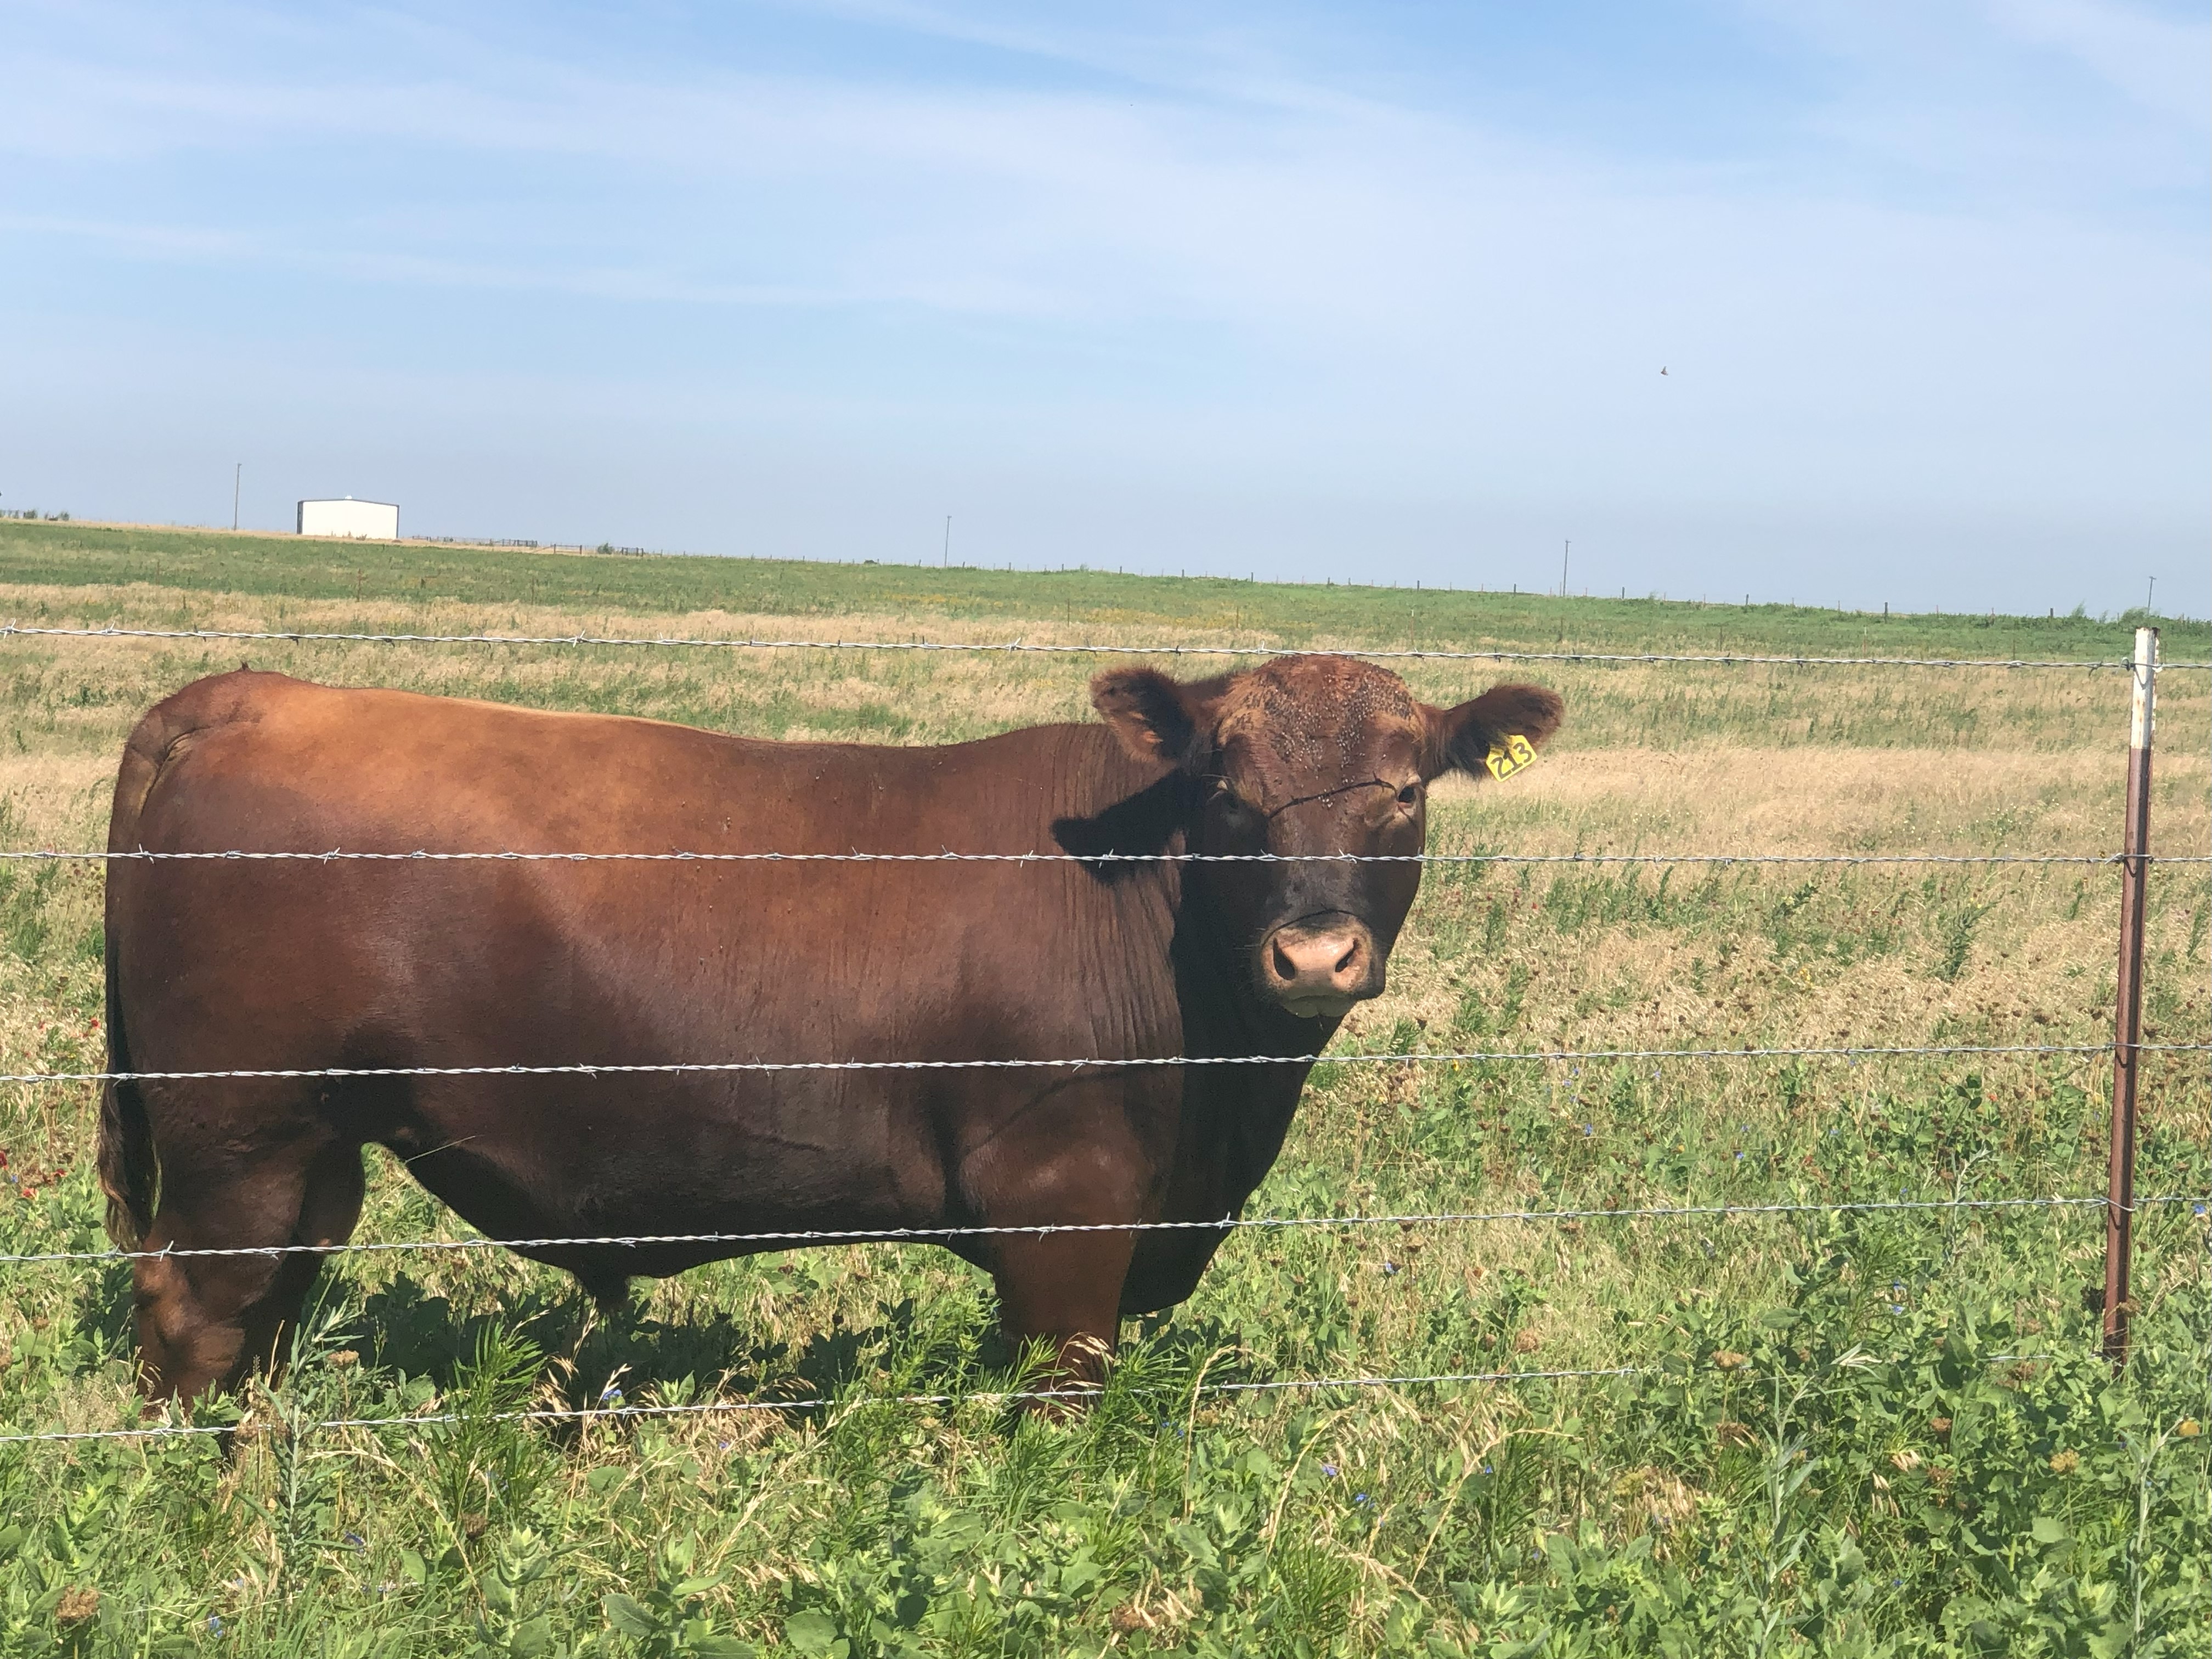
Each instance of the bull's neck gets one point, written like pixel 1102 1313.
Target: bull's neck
pixel 1222 1008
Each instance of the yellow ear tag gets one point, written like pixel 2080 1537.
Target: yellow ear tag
pixel 1506 758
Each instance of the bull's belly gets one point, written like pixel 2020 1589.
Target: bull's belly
pixel 733 1170
pixel 602 1159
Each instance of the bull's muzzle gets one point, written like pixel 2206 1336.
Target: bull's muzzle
pixel 1318 968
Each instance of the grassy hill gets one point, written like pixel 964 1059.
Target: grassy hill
pixel 74 554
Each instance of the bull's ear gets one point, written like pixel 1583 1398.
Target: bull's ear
pixel 1459 737
pixel 1156 718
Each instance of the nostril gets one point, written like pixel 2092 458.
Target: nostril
pixel 1321 964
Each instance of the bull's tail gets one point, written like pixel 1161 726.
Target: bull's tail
pixel 129 1169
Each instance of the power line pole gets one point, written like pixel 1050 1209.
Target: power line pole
pixel 237 477
pixel 948 542
pixel 1565 549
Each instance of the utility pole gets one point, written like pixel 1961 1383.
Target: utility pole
pixel 1564 549
pixel 948 541
pixel 2149 596
pixel 238 477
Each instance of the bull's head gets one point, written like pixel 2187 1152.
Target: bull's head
pixel 1307 754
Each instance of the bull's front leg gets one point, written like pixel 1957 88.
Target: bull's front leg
pixel 1067 1153
pixel 1067 1289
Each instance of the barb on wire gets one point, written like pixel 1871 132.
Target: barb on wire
pixel 1117 1063
pixel 794 1237
pixel 1087 648
pixel 1004 1397
pixel 336 855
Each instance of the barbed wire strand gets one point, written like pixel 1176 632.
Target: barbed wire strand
pixel 1458 1057
pixel 1023 647
pixel 795 1237
pixel 596 1413
pixel 336 855
pixel 255 1428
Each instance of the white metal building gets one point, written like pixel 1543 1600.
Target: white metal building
pixel 375 521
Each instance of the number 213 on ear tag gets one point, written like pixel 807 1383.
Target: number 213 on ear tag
pixel 1506 758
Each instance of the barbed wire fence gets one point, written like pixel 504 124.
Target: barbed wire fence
pixel 2120 1204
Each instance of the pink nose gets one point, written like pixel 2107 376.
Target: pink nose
pixel 1318 970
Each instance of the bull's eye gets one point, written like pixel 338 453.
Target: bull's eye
pixel 1410 796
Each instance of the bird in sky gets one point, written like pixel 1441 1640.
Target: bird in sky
pixel 1663 370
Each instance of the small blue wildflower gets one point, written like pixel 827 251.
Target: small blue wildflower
pixel 1588 1130
pixel 1390 1268
pixel 356 1540
pixel 1329 1469
pixel 215 1624
pixel 1359 1498
pixel 1739 1158
pixel 611 1394
pixel 722 1445
pixel 1897 1307
pixel 1489 1469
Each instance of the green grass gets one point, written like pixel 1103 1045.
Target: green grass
pixel 1880 1432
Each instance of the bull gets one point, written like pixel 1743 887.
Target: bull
pixel 321 968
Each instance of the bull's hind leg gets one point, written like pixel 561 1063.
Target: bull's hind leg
pixel 208 1323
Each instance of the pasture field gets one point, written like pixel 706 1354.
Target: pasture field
pixel 1860 1433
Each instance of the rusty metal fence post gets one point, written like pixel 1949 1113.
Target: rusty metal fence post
pixel 2127 1012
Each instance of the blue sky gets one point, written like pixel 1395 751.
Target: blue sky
pixel 1378 291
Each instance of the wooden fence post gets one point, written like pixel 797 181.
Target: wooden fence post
pixel 2127 1012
